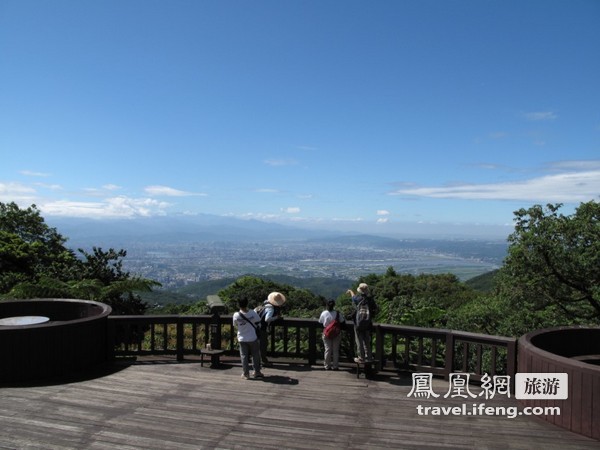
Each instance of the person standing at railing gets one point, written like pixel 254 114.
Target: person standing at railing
pixel 363 322
pixel 332 335
pixel 247 322
pixel 269 311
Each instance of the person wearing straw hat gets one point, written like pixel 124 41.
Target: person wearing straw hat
pixel 269 311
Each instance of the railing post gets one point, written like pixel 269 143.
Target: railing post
pixel 179 339
pixel 110 339
pixel 379 347
pixel 449 355
pixel 312 345
pixel 511 363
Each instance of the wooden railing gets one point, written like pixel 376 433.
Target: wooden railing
pixel 397 347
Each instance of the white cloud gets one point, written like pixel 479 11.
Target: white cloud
pixel 166 191
pixel 267 191
pixel 383 212
pixel 116 207
pixel 291 210
pixel 383 220
pixel 573 187
pixel 540 115
pixel 17 192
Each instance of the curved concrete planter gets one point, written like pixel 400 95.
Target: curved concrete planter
pixel 571 350
pixel 73 340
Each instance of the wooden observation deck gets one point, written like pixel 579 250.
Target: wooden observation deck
pixel 166 404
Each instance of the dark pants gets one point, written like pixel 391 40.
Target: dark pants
pixel 248 349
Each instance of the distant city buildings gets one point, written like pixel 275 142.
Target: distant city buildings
pixel 176 265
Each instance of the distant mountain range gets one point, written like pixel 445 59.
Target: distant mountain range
pixel 199 228
pixel 207 227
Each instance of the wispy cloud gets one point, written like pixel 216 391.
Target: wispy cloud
pixel 540 115
pixel 30 173
pixel 280 162
pixel 165 191
pixel 570 187
pixel 291 210
pixel 102 191
pixel 383 212
pixel 577 165
pixel 52 187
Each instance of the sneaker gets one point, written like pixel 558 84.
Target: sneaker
pixel 335 369
pixel 258 375
pixel 358 360
pixel 245 376
pixel 327 368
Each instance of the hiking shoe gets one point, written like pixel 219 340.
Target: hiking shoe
pixel 258 375
pixel 245 376
pixel 358 360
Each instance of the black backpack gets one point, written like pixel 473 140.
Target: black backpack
pixel 366 309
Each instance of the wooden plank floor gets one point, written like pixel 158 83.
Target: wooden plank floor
pixel 169 405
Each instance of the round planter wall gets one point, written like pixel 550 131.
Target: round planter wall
pixel 571 350
pixel 74 339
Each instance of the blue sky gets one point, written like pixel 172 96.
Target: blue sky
pixel 381 116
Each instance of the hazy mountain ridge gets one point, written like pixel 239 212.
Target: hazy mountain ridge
pixel 201 228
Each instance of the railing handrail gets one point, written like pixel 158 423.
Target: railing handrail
pixel 438 339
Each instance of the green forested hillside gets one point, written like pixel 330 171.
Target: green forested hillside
pixel 194 292
pixel 483 282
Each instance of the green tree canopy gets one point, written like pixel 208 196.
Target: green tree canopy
pixel 419 300
pixel 553 264
pixel 300 302
pixel 35 263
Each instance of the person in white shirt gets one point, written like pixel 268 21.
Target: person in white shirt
pixel 247 322
pixel 332 345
